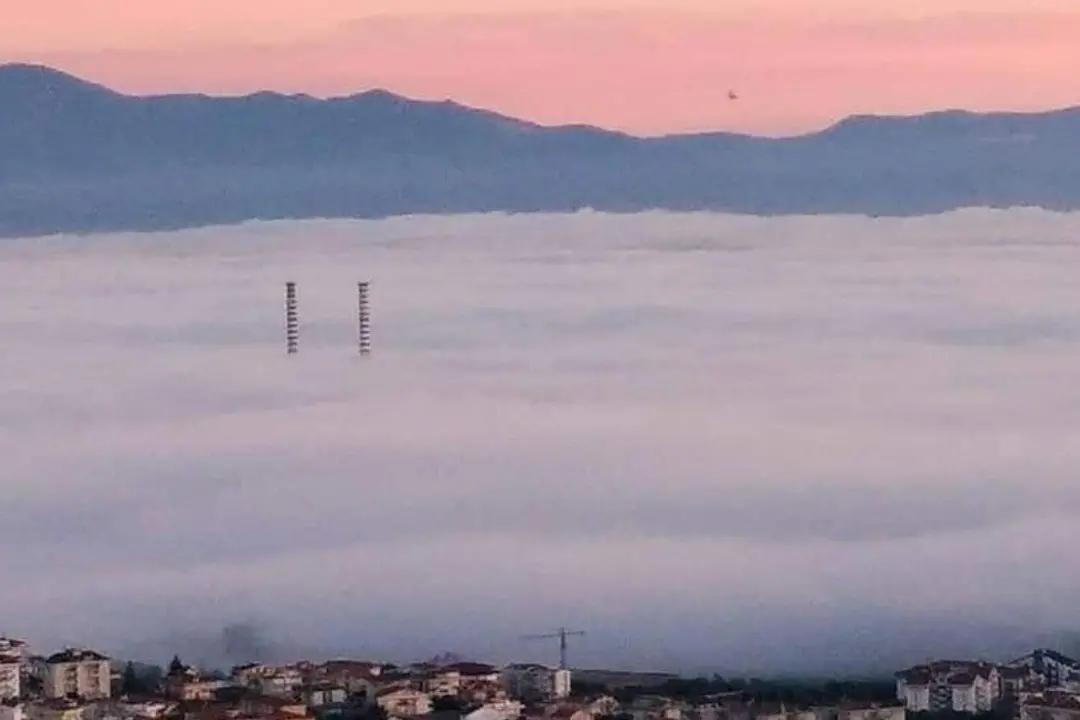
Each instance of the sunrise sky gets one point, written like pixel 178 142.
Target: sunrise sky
pixel 647 66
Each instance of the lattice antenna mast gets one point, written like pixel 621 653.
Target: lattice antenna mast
pixel 292 320
pixel 364 317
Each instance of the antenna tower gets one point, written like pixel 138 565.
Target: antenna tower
pixel 363 317
pixel 292 321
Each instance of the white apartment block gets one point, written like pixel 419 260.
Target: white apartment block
pixel 12 646
pixel 284 682
pixel 77 673
pixel 963 687
pixel 249 675
pixel 405 702
pixel 444 683
pixel 539 682
pixel 10 677
pixel 1042 669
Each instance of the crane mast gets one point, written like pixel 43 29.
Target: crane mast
pixel 561 634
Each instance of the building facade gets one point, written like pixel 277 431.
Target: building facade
pixel 77 673
pixel 963 687
pixel 530 681
pixel 10 677
pixel 13 646
pixel 282 682
pixel 405 702
pixel 324 694
pixel 1045 669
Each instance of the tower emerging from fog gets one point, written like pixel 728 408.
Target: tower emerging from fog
pixel 363 317
pixel 292 320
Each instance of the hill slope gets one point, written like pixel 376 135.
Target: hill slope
pixel 75 156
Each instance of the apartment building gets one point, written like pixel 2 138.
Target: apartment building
pixel 283 681
pixel 960 686
pixel 530 681
pixel 473 672
pixel 1040 669
pixel 10 677
pixel 324 694
pixel 344 671
pixel 13 646
pixel 77 673
pixel 404 702
pixel 442 683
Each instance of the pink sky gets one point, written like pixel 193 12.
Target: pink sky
pixel 647 66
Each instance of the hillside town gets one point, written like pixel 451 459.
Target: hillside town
pixel 82 684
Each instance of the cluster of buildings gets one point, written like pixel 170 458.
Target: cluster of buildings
pixel 1043 685
pixel 81 684
pixel 49 683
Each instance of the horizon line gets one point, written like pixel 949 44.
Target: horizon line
pixel 838 121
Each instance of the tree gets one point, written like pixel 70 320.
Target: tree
pixel 151 676
pixel 130 684
pixel 140 679
pixel 446 703
pixel 176 667
pixel 588 689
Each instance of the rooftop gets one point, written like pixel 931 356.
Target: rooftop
pixel 70 655
pixel 946 671
pixel 469 668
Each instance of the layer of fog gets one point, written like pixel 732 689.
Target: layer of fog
pixel 803 443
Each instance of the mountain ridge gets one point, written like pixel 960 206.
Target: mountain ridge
pixel 77 156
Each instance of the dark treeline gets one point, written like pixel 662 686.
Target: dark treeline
pixel 797 693
pixel 793 693
pixel 138 679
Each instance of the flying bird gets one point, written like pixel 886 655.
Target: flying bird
pixel 732 95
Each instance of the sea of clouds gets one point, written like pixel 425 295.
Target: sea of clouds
pixel 708 440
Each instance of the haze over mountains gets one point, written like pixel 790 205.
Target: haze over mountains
pixel 78 157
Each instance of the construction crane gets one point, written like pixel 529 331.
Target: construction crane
pixel 562 633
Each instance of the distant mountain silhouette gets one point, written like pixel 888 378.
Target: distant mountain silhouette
pixel 78 157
